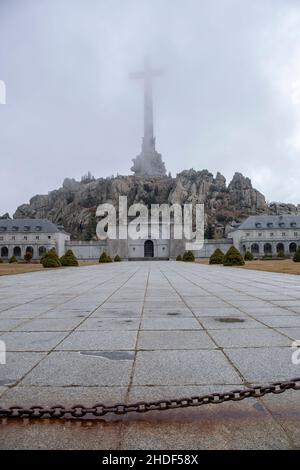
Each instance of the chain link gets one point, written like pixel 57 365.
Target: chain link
pixel 99 409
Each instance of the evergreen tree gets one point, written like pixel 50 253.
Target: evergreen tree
pixel 233 258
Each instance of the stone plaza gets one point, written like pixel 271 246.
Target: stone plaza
pixel 135 331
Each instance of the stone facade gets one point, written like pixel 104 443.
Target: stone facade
pixel 30 235
pixel 267 235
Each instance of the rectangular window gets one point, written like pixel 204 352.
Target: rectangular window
pixel 295 234
pixel 271 234
pixel 49 236
pixel 260 234
pixel 283 234
pixel 13 238
pixel 37 237
pixel 25 238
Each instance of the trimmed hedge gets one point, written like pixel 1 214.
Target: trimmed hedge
pixel 104 258
pixel 1 260
pixel 51 259
pixel 117 259
pixel 248 256
pixel 69 259
pixel 217 257
pixel 233 258
pixel 13 259
pixel 188 256
pixel 179 258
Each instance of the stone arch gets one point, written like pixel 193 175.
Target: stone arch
pixel 293 247
pixel 268 249
pixel 42 251
pixel 148 249
pixel 4 252
pixel 29 249
pixel 279 247
pixel 17 251
pixel 255 248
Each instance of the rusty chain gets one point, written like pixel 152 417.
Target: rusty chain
pixel 99 409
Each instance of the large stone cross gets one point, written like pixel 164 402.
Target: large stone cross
pixel 147 75
pixel 149 162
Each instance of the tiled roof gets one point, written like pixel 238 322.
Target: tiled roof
pixel 29 225
pixel 255 222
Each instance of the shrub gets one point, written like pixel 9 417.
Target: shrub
pixel 233 257
pixel 217 257
pixel 28 256
pixel 42 257
pixel 104 258
pixel 13 259
pixel 1 260
pixel 117 258
pixel 296 256
pixel 280 254
pixel 69 259
pixel 179 258
pixel 51 259
pixel 188 256
pixel 248 256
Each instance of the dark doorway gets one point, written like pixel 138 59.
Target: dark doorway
pixel 4 252
pixel 148 249
pixel 42 251
pixel 17 251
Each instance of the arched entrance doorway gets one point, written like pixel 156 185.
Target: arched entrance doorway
pixel 4 252
pixel 280 248
pixel 17 251
pixel 267 248
pixel 148 249
pixel 42 251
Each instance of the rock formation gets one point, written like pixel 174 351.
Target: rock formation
pixel 74 204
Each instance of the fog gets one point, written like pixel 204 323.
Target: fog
pixel 229 98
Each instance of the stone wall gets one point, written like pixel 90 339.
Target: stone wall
pixel 87 251
pixel 211 245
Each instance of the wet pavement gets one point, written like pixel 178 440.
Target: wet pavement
pixel 135 331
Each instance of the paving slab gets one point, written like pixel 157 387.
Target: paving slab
pixel 49 324
pixel 281 321
pixel 18 364
pixel 172 322
pixel 229 322
pixel 183 367
pixel 264 364
pixel 109 323
pixel 245 338
pixel 155 340
pixel 113 340
pixel 73 368
pixel 32 340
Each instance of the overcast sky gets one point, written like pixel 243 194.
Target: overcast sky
pixel 229 99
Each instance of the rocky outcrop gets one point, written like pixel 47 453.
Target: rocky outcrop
pixel 74 204
pixel 278 208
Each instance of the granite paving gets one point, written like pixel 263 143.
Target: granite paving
pixel 134 331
